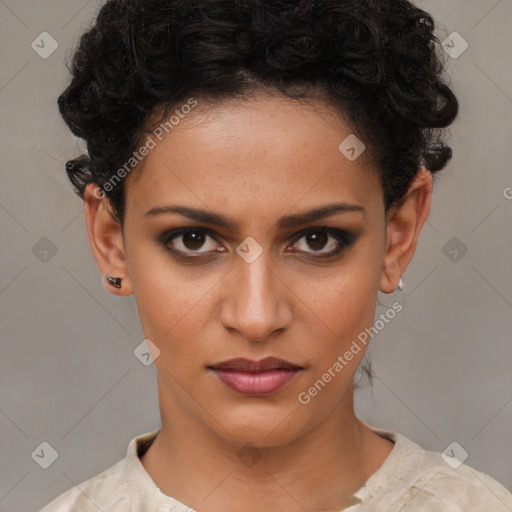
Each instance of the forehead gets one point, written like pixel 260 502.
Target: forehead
pixel 266 153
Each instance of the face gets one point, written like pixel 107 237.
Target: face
pixel 242 272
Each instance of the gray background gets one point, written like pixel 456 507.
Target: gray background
pixel 68 374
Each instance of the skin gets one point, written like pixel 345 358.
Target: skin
pixel 254 161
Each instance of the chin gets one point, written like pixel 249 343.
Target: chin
pixel 260 426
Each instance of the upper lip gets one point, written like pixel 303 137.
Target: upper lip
pixel 247 365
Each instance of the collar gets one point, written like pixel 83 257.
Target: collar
pixel 145 494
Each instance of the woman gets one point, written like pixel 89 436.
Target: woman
pixel 257 172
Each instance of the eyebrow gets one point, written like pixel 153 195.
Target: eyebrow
pixel 284 222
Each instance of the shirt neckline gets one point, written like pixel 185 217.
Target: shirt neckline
pixel 143 490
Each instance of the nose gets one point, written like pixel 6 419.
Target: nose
pixel 256 301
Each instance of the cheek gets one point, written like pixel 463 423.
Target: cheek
pixel 344 300
pixel 176 306
pixel 343 307
pixel 166 311
pixel 172 305
pixel 343 311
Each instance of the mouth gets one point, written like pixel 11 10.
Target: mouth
pixel 256 378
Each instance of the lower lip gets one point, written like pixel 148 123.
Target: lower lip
pixel 262 383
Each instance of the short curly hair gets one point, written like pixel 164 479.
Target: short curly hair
pixel 377 61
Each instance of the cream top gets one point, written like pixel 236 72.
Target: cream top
pixel 410 479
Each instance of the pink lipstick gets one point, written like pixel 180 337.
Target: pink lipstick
pixel 256 377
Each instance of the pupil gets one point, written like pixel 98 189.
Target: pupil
pixel 189 239
pixel 314 238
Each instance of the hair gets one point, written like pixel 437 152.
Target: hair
pixel 377 62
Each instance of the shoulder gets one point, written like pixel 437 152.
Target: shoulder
pixel 414 479
pixel 123 486
pixel 461 489
pixel 105 491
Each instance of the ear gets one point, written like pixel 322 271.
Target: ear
pixel 106 239
pixel 403 229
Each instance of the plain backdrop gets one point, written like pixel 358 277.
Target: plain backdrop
pixel 68 373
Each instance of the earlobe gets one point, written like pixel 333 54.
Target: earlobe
pixel 106 240
pixel 405 222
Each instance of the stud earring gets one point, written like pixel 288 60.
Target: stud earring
pixel 400 285
pixel 114 281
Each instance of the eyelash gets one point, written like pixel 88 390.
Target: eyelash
pixel 345 240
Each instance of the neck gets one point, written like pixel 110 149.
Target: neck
pixel 320 470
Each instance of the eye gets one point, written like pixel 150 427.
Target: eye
pixel 190 240
pixel 332 239
pixel 186 242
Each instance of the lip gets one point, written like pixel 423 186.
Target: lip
pixel 249 377
pixel 241 364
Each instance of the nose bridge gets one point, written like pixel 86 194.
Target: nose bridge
pixel 256 300
pixel 256 293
